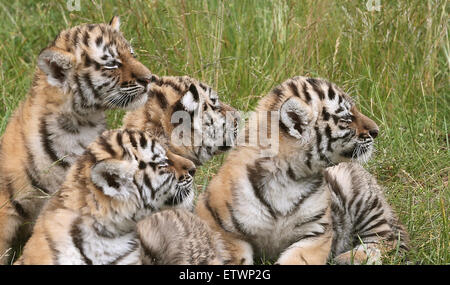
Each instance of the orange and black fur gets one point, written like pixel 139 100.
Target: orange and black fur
pixel 190 115
pixel 178 237
pixel 282 203
pixel 83 72
pixel 123 177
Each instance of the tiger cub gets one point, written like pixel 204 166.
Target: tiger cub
pixel 178 237
pixel 122 177
pixel 83 72
pixel 275 203
pixel 189 114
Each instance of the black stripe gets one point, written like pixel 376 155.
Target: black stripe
pixel 19 209
pixel 256 177
pixel 315 187
pixel 151 255
pixel 99 41
pixel 178 107
pixel 335 119
pixel 297 121
pixel 9 187
pixel 355 194
pixel 312 219
pixel 278 91
pixel 203 86
pixel 290 173
pixel 319 141
pixel 142 165
pixel 66 124
pixel 363 228
pixel 148 183
pixel 174 86
pixel 90 85
pixel 47 145
pixel 111 180
pixel 194 91
pixel 328 132
pixel 143 141
pixel 308 159
pixel 162 101
pixel 336 188
pixel 358 206
pixel 214 214
pixel 75 39
pixel 51 244
pixel 79 91
pixel 236 224
pixel 331 93
pixel 318 138
pixel 120 142
pixel 380 234
pixel 77 239
pixel 366 210
pixel 306 93
pixel 86 38
pixel 330 138
pixel 315 85
pixel 101 231
pixel 338 110
pixel 325 114
pixel 106 146
pixel 312 234
pixel 35 183
pixel 134 245
pixel 294 88
pixel 153 165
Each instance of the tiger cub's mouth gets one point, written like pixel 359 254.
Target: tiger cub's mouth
pixel 360 151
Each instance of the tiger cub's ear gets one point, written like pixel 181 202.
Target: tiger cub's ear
pixel 190 99
pixel 55 63
pixel 115 23
pixel 294 117
pixel 115 177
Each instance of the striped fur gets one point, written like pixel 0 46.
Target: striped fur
pixel 207 117
pixel 278 205
pixel 177 237
pixel 84 71
pixel 364 224
pixel 123 177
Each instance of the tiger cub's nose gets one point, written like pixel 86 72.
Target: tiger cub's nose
pixel 373 133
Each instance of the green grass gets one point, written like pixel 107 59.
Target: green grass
pixel 395 62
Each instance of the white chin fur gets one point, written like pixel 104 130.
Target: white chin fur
pixel 140 101
pixel 364 157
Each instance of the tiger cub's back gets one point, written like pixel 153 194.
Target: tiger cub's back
pixel 178 237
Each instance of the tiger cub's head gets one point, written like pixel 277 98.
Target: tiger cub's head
pixel 318 118
pixel 136 170
pixel 97 66
pixel 189 113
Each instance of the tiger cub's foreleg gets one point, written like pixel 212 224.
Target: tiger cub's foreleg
pixel 241 252
pixel 310 251
pixel 361 254
pixel 10 222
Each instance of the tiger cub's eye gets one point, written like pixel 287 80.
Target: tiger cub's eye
pixel 346 119
pixel 111 65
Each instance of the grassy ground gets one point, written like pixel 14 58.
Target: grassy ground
pixel 395 62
